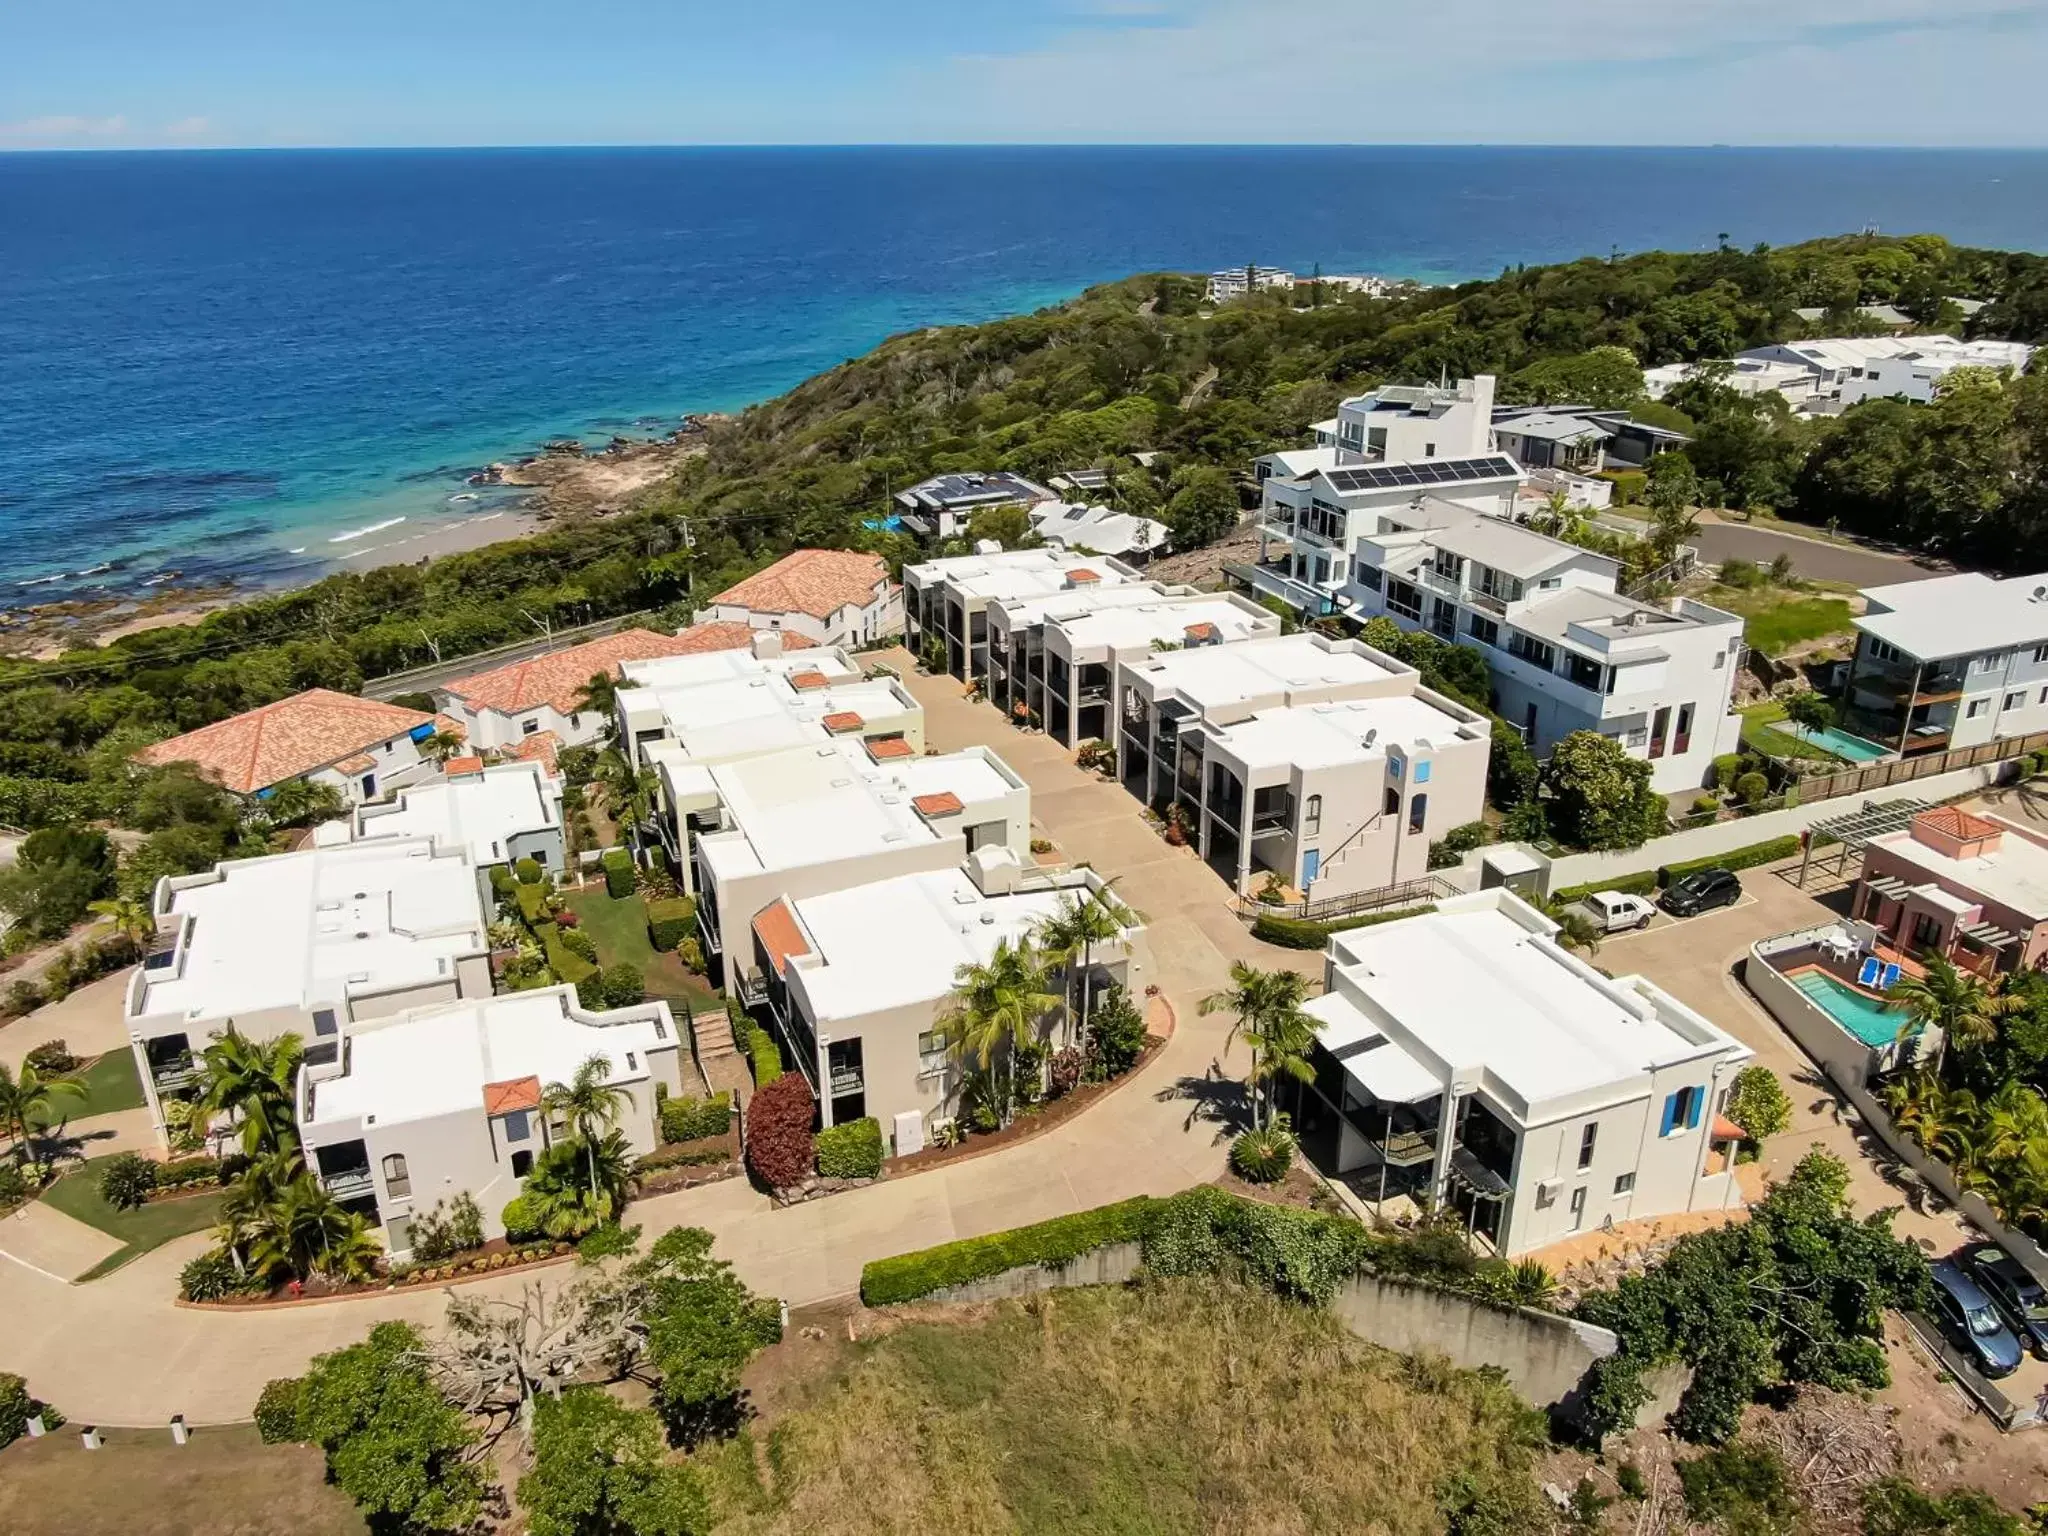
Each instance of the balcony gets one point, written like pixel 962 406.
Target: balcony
pixel 175 1075
pixel 753 989
pixel 848 1080
pixel 347 1184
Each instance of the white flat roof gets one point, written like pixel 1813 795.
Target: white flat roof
pixel 1023 612
pixel 1323 735
pixel 318 926
pixel 1295 463
pixel 1493 541
pixel 1468 990
pixel 899 942
pixel 1621 620
pixel 741 665
pixel 741 717
pixel 2014 875
pixel 435 1061
pixel 477 813
pixel 1958 615
pixel 1017 573
pixel 816 805
pixel 1217 676
pixel 1168 619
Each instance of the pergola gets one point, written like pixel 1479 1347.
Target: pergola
pixel 1855 830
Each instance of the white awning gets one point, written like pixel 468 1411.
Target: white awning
pixel 1389 1073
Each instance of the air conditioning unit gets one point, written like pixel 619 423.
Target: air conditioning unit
pixel 1547 1192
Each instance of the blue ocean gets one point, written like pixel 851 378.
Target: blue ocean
pixel 238 365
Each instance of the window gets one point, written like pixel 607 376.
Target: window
pixel 398 1232
pixel 1658 724
pixel 2043 699
pixel 1977 708
pixel 1926 931
pixel 1683 738
pixel 518 1125
pixel 528 727
pixel 1418 812
pixel 1879 651
pixel 1625 1184
pixel 1375 440
pixel 1578 1207
pixel 1583 671
pixel 1682 1110
pixel 2014 700
pixel 1393 805
pixel 931 1053
pixel 1368 577
pixel 522 1164
pixel 2041 653
pixel 1429 450
pixel 1484 630
pixel 1420 772
pixel 323 1021
pixel 1587 1138
pixel 1533 651
pixel 1990 661
pixel 575 720
pixel 1637 736
pixel 1550 584
pixel 1312 815
pixel 397 1181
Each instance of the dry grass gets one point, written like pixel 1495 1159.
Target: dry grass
pixel 1161 1408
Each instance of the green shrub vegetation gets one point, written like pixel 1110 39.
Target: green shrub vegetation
pixel 1264 1155
pixel 765 1056
pixel 852 1150
pixel 670 921
pixel 277 1410
pixel 684 1119
pixel 1299 933
pixel 527 871
pixel 911 1275
pixel 618 873
pixel 1116 1035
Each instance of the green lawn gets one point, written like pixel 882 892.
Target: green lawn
pixel 1758 736
pixel 110 1084
pixel 618 926
pixel 77 1194
pixel 1777 619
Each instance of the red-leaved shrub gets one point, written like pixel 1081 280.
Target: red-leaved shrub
pixel 780 1148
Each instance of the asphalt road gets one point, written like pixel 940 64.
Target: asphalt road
pixel 1811 558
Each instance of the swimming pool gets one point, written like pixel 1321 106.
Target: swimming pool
pixel 1869 1020
pixel 1851 749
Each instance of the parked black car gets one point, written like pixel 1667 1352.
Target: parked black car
pixel 2016 1294
pixel 1702 891
pixel 1972 1323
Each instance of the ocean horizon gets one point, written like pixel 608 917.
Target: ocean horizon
pixel 241 364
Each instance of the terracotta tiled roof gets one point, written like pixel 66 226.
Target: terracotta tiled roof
pixel 804 682
pixel 543 747
pixel 513 1094
pixel 731 635
pixel 362 762
pixel 1726 1130
pixel 890 747
pixel 280 741
pixel 1202 631
pixel 457 765
pixel 558 678
pixel 775 926
pixel 842 721
pixel 818 582
pixel 1080 576
pixel 1959 824
pixel 945 803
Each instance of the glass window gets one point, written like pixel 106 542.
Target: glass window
pixel 1976 709
pixel 2014 700
pixel 1418 811
pixel 397 1181
pixel 1368 576
pixel 528 727
pixel 518 1125
pixel 1484 630
pixel 931 1053
pixel 1587 1138
pixel 1312 815
pixel 1625 1184
pixel 398 1232
pixel 1393 805
pixel 522 1164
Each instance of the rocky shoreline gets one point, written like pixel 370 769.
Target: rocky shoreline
pixel 570 479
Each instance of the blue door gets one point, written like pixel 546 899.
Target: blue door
pixel 1311 860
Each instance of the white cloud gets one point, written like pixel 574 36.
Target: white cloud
pixel 63 129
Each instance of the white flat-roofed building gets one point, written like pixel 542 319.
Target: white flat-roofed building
pixel 1054 660
pixel 1567 652
pixel 1098 530
pixel 858 978
pixel 494 815
pixel 1916 373
pixel 1798 382
pixel 308 943
pixel 1468 1060
pixel 1236 282
pixel 1404 423
pixel 949 600
pixel 731 704
pixel 812 820
pixel 437 1102
pixel 1949 662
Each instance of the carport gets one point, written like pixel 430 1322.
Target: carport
pixel 1853 831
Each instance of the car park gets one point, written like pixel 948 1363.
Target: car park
pixel 2019 1297
pixel 1618 912
pixel 1970 1321
pixel 1702 891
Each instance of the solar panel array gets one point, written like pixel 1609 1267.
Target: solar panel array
pixel 1423 474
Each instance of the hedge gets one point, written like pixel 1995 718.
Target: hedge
pixel 1059 1241
pixel 1648 880
pixel 277 1411
pixel 766 1056
pixel 528 870
pixel 501 880
pixel 1299 933
pixel 670 921
pixel 618 873
pixel 533 902
pixel 852 1150
pixel 696 1119
pixel 564 962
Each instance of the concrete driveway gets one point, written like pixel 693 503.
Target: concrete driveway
pixel 90 1021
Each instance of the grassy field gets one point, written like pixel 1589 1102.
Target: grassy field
pixel 1758 736
pixel 1162 1408
pixel 1777 619
pixel 618 926
pixel 77 1194
pixel 111 1084
pixel 224 1482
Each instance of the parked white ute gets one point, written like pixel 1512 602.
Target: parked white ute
pixel 1613 912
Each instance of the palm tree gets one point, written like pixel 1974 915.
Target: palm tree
pixel 575 1187
pixel 298 1229
pixel 997 1003
pixel 601 695
pixel 1071 932
pixel 244 1208
pixel 1963 1007
pixel 1269 1018
pixel 2015 1119
pixel 133 920
pixel 588 1104
pixel 29 1103
pixel 253 1081
pixel 441 746
pixel 301 800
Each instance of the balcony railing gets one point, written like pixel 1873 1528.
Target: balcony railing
pixel 845 1082
pixel 173 1075
pixel 349 1183
pixel 753 989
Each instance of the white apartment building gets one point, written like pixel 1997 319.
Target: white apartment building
pixel 828 596
pixel 1835 362
pixel 1464 1058
pixel 1053 659
pixel 950 599
pixel 812 820
pixel 308 943
pixel 1236 282
pixel 1403 423
pixel 1099 530
pixel 1949 662
pixel 943 506
pixel 1567 652
pixel 432 1103
pixel 492 815
pixel 1798 382
pixel 859 978
pixel 1915 374
pixel 1324 762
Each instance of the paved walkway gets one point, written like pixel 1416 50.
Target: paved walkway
pixel 89 1021
pixel 120 1351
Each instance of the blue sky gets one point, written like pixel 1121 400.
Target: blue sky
pixel 128 73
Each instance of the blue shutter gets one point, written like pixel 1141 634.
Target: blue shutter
pixel 1670 1114
pixel 1696 1100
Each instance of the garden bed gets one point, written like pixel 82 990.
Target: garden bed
pixel 497 1257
